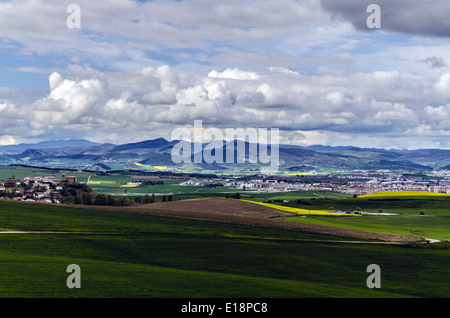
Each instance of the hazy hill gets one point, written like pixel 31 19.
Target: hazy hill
pixel 147 144
pixel 79 153
pixel 48 144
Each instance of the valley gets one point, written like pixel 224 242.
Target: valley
pixel 164 233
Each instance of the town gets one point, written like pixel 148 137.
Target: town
pixel 46 189
pixel 357 183
pixel 49 189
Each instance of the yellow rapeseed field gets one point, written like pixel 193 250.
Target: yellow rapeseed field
pixel 401 194
pixel 297 174
pixel 297 210
pixel 101 182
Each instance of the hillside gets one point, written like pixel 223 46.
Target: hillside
pixel 131 255
pixel 145 155
pixel 246 213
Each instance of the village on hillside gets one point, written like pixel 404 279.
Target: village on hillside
pixel 46 189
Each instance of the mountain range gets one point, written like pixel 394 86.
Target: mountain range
pixel 146 155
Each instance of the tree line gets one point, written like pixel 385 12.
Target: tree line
pixel 98 199
pixel 82 194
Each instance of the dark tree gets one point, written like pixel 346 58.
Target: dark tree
pixel 100 199
pixel 78 200
pixel 87 198
pixel 110 201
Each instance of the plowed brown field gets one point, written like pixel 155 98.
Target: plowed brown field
pixel 246 213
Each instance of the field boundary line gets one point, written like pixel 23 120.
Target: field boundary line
pixel 218 236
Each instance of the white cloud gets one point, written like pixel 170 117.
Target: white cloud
pixel 286 100
pixel 7 140
pixel 442 86
pixel 141 69
pixel 69 102
pixel 437 113
pixel 54 80
pixel 236 74
pixel 154 101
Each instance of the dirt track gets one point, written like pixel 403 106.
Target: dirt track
pixel 246 213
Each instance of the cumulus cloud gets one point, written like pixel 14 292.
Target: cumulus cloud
pixel 141 69
pixel 234 74
pixel 438 118
pixel 67 102
pixel 154 101
pixel 437 113
pixel 442 86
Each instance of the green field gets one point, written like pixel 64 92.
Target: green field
pixel 20 172
pixel 117 185
pixel 437 228
pixel 435 224
pixel 131 255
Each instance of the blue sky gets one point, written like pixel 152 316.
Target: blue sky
pixel 312 68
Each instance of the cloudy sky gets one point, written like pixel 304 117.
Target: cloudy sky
pixel 137 70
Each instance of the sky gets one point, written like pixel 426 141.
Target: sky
pixel 119 71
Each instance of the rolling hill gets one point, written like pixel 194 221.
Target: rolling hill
pixel 82 154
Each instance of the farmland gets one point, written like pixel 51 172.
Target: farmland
pixel 142 255
pixel 396 194
pixel 292 244
pixel 434 224
pixel 301 211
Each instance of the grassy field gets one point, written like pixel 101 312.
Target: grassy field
pixel 117 184
pixel 437 228
pixel 21 172
pixel 133 255
pixel 435 224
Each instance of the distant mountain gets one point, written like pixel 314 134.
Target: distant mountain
pixel 83 154
pixel 49 144
pixel 30 153
pixel 328 148
pixel 431 158
pixel 148 144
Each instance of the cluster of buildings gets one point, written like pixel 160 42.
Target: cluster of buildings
pixel 36 189
pixel 353 184
pixel 49 189
pixel 392 182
